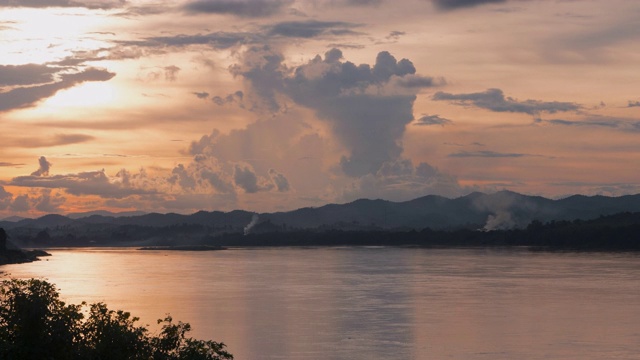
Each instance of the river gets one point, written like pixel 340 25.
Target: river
pixel 369 303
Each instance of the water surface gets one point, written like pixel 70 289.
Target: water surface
pixel 369 303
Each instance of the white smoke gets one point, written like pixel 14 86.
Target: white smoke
pixel 502 220
pixel 250 225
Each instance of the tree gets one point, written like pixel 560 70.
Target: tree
pixel 36 324
pixel 3 240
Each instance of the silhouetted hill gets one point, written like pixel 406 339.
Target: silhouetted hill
pixel 501 210
pixel 81 215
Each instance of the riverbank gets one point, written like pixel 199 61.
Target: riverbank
pixel 21 256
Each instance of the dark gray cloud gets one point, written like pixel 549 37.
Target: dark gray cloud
pixel 395 35
pixel 241 8
pixel 608 124
pixel 633 103
pixel 494 100
pixel 217 40
pixel 201 94
pixel 622 124
pixel 245 177
pixel 43 168
pixel 23 97
pixel 417 81
pixel 235 98
pixel 28 74
pixel 311 29
pixel 455 4
pixel 428 120
pixel 279 180
pixel 486 154
pixel 90 4
pixel 20 203
pixel 84 183
pixel 6 198
pixel 48 202
pixel 362 2
pixel 264 71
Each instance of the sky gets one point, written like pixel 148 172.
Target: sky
pixel 274 105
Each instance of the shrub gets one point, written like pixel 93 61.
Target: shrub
pixel 36 324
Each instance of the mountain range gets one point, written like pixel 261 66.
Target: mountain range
pixel 500 210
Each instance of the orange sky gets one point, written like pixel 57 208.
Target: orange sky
pixel 269 105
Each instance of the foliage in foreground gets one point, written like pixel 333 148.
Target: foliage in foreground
pixel 36 324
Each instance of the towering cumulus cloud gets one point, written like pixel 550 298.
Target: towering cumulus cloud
pixel 367 108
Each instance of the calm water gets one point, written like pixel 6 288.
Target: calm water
pixel 370 303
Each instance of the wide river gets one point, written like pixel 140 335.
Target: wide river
pixel 369 303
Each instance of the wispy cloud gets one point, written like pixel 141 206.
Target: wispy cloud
pixel 455 4
pixel 240 8
pixel 311 29
pixel 429 120
pixel 597 121
pixel 55 140
pixel 90 4
pixel 23 97
pixel 494 100
pixel 487 154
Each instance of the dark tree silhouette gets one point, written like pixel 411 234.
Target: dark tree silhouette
pixel 3 239
pixel 36 324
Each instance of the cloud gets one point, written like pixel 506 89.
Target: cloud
pixel 9 164
pixel 84 183
pixel 236 97
pixel 417 81
pixel 48 202
pixel 311 29
pixel 90 4
pixel 43 169
pixel 486 154
pixel 23 97
pixel 610 122
pixel 218 40
pixel 28 74
pixel 429 120
pixel 6 198
pixel 171 72
pixel 279 180
pixel 20 203
pixel 240 8
pixel 366 108
pixel 400 180
pixel 245 177
pixel 236 162
pixel 201 95
pixel 494 100
pixel 363 2
pixel 55 140
pixel 455 4
pixel 264 72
